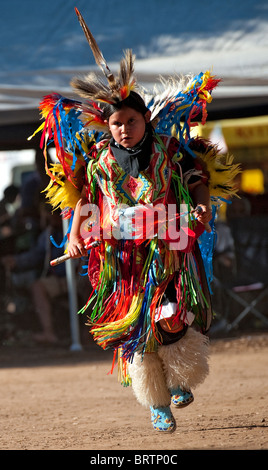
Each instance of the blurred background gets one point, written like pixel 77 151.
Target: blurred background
pixel 42 47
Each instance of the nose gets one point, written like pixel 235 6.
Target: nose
pixel 124 128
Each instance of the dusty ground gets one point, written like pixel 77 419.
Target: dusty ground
pixel 54 398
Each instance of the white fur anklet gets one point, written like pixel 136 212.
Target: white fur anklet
pixel 185 362
pixel 148 380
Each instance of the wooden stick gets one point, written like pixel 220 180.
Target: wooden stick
pixel 63 258
pixel 59 260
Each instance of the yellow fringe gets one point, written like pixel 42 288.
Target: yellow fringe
pixel 62 192
pixel 222 173
pixel 119 326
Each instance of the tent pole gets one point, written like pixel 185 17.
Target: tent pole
pixel 72 292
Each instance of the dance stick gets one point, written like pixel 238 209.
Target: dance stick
pixel 63 258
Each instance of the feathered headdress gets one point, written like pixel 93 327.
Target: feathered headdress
pixel 92 87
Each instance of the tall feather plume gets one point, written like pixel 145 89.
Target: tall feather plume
pixel 126 74
pixel 92 87
pixel 100 61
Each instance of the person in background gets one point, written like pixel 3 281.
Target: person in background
pixel 45 283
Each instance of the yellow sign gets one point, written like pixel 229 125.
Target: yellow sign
pixel 252 181
pixel 243 132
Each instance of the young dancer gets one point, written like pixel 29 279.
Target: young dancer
pixel 124 186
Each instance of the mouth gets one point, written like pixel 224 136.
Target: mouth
pixel 125 140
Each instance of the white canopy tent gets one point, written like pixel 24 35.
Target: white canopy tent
pixel 42 46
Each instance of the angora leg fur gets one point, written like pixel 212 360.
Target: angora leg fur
pixel 148 380
pixel 185 362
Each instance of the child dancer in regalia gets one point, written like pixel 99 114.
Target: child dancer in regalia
pixel 139 193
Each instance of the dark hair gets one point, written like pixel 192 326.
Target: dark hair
pixel 134 101
pixel 10 193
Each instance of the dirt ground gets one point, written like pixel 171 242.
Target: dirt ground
pixel 53 398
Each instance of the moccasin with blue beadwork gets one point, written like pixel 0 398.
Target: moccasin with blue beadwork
pixel 181 398
pixel 162 419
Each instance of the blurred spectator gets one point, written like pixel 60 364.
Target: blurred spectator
pixel 32 198
pixel 32 190
pixel 224 255
pixel 32 270
pixel 240 207
pixel 7 205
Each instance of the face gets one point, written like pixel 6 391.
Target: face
pixel 127 126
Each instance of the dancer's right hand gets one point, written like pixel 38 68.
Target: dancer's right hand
pixel 76 247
